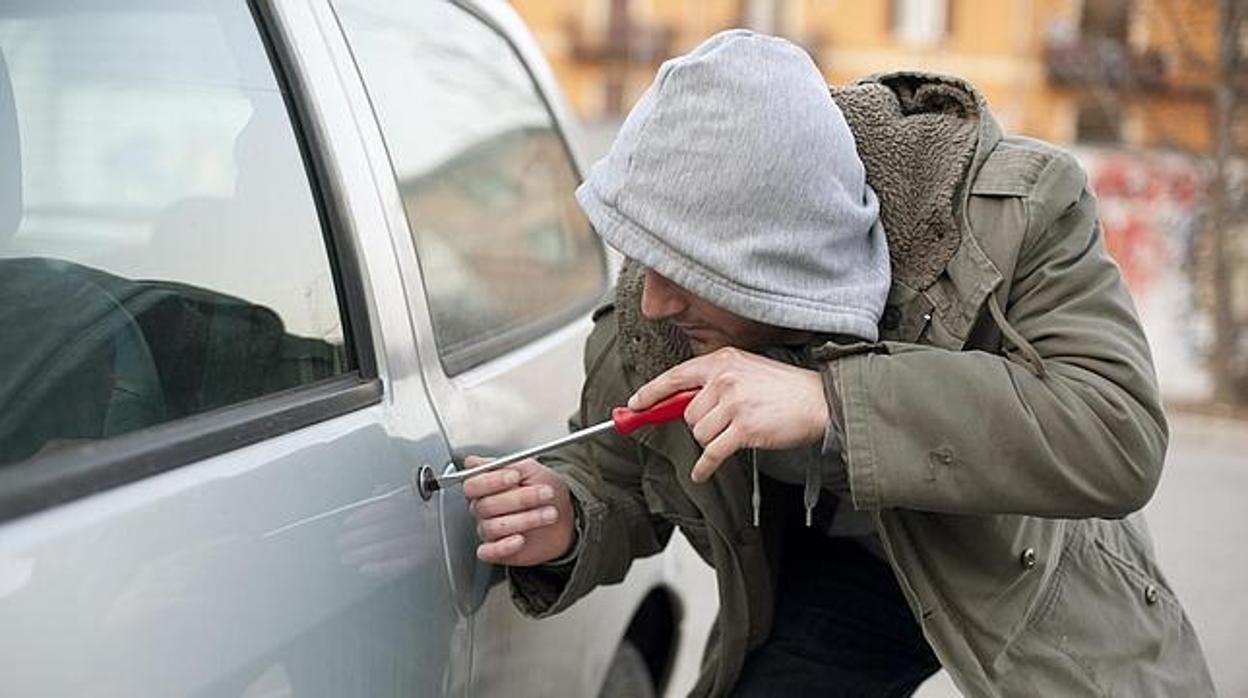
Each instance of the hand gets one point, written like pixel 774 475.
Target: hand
pixel 746 401
pixel 523 512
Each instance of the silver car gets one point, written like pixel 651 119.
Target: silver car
pixel 259 262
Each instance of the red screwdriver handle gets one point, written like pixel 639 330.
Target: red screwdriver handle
pixel 669 408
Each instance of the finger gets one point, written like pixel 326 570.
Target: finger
pixel 716 452
pixel 499 551
pixel 711 425
pixel 527 468
pixel 702 403
pixel 512 501
pixel 500 527
pixel 491 483
pixel 690 374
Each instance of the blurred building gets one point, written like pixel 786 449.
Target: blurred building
pixel 1152 96
pixel 1135 72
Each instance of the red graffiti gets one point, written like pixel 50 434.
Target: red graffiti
pixel 1138 249
pixel 1143 201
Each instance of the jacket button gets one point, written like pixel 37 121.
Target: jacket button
pixel 1150 594
pixel 1028 558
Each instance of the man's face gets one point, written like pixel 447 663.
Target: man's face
pixel 707 326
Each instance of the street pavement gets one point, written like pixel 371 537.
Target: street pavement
pixel 1200 526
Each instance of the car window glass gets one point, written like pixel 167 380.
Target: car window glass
pixel 485 177
pixel 161 253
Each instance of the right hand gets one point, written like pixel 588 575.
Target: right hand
pixel 523 512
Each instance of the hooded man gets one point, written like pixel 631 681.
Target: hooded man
pixel 927 411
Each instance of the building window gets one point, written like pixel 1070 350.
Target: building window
pixel 920 22
pixel 1105 19
pixel 1098 122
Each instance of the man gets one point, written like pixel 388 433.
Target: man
pixel 959 494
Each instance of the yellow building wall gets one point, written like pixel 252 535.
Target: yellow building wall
pixel 997 45
pixel 1186 29
pixel 1170 122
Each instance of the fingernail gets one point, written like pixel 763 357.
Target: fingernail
pixel 549 514
pixel 633 402
pixel 546 493
pixel 511 477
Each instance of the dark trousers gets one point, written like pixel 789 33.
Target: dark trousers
pixel 842 627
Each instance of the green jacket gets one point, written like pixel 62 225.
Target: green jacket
pixel 1002 433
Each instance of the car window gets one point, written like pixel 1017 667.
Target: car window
pixel 486 181
pixel 161 252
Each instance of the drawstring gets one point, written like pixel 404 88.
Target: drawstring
pixel 1016 338
pixel 756 497
pixel 810 494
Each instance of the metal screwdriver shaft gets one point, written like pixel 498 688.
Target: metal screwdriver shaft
pixel 623 421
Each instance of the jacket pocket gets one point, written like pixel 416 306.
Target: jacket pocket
pixel 1103 624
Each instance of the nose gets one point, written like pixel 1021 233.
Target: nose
pixel 661 298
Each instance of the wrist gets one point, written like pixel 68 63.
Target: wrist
pixel 573 550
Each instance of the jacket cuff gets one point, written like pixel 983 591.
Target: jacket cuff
pixel 834 431
pixel 544 590
pixel 835 479
pixel 578 533
pixel 847 409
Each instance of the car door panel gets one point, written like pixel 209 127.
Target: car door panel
pixel 229 569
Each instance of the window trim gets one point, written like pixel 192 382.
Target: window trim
pixel 91 467
pixel 340 245
pixel 479 354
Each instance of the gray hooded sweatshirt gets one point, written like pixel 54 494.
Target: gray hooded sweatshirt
pixel 736 177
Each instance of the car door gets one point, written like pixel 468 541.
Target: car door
pixel 210 398
pixel 504 270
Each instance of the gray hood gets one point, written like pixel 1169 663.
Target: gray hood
pixel 737 177
pixel 921 136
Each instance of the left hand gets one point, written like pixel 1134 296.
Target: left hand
pixel 746 401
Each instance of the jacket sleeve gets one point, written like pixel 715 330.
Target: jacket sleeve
pixel 977 433
pixel 604 475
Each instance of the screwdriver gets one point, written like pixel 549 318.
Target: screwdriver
pixel 623 421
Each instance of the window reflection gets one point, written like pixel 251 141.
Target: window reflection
pixel 160 250
pixel 486 181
